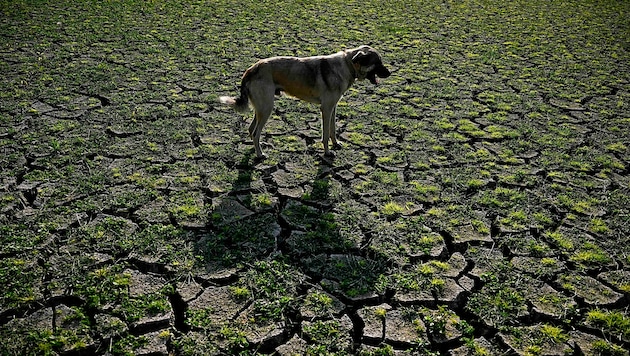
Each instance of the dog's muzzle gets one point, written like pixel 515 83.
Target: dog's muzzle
pixel 380 71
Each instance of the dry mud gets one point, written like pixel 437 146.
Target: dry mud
pixel 479 204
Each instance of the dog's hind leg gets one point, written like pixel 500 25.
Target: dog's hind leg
pixel 261 96
pixel 263 112
pixel 260 119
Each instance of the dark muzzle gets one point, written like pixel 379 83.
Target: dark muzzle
pixel 380 71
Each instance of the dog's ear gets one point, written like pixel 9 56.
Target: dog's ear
pixel 360 57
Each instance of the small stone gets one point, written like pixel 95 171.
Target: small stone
pixel 67 114
pixel 41 320
pixel 285 179
pixel 445 326
pixel 586 344
pixel 295 192
pixel 339 340
pixel 41 107
pixel 551 266
pixel 269 332
pixel 220 275
pixel 153 212
pixel 567 105
pixel 153 322
pixel 485 260
pixel 620 279
pixel 346 175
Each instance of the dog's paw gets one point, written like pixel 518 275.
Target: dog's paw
pixel 337 146
pixel 329 154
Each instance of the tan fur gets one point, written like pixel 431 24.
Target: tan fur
pixel 320 79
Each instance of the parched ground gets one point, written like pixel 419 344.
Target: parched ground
pixel 480 204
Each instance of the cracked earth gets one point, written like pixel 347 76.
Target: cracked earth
pixel 479 204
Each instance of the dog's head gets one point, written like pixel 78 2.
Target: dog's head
pixel 368 64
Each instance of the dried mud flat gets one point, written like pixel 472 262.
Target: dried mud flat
pixel 479 206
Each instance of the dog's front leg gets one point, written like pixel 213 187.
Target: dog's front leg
pixel 327 120
pixel 252 127
pixel 333 128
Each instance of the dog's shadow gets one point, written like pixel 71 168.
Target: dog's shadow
pixel 310 228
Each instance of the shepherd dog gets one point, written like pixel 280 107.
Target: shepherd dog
pixel 318 79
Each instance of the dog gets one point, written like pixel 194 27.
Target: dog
pixel 319 79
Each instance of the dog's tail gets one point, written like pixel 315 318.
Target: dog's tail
pixel 241 103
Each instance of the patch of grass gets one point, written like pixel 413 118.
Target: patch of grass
pixel 599 226
pixel 147 305
pixel 603 347
pixel 71 333
pixel 127 344
pixel 104 285
pixel 386 178
pixel 19 237
pixel 273 286
pixel 475 183
pixel 590 254
pixel 380 313
pixel 501 300
pixel 240 293
pixel 501 197
pixel 581 206
pixel 554 333
pixel 199 318
pixel 320 302
pixel 260 200
pixel 356 276
pixel 382 350
pixel 187 206
pixel 426 192
pixel 423 277
pixel 327 337
pixel 236 339
pixel 558 238
pixel 392 208
pixel 517 219
pixel 224 247
pixel 617 147
pixel 614 323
